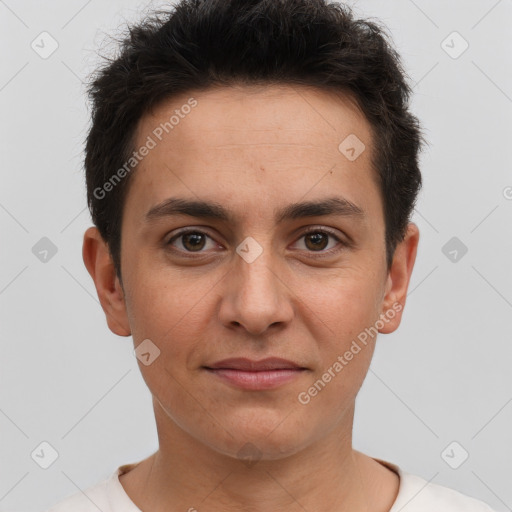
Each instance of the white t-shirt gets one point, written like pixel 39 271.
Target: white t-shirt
pixel 414 495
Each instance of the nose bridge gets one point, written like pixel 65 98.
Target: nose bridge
pixel 255 269
pixel 255 298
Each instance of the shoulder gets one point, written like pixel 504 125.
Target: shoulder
pixel 92 499
pixel 422 496
pixel 108 495
pixel 418 495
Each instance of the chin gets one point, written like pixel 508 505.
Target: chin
pixel 258 435
pixel 258 448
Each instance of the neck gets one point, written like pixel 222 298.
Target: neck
pixel 185 474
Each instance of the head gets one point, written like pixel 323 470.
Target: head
pixel 218 104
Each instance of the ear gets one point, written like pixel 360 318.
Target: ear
pixel 398 280
pixel 99 264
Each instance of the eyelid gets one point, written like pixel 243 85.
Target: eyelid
pixel 321 229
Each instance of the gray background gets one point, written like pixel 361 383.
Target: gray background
pixel 442 377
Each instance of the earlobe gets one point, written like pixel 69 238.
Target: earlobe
pixel 398 279
pixel 100 266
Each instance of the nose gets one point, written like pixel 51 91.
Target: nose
pixel 256 296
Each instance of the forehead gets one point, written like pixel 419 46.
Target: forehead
pixel 264 139
pixel 268 114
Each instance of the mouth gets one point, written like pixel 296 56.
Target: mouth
pixel 256 375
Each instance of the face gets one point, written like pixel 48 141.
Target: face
pixel 282 255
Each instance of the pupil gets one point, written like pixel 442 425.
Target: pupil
pixel 316 237
pixel 196 240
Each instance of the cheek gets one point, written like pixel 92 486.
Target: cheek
pixel 172 321
pixel 341 316
pixel 164 301
pixel 345 342
pixel 175 314
pixel 342 304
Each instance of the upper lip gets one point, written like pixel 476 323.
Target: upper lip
pixel 242 363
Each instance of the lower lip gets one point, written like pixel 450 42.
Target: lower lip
pixel 266 379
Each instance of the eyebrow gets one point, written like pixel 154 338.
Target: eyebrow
pixel 215 211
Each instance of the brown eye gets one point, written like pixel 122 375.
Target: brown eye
pixel 193 241
pixel 190 241
pixel 320 241
pixel 317 241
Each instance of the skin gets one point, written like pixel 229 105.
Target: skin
pixel 253 150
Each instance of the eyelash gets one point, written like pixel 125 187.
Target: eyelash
pixel 316 254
